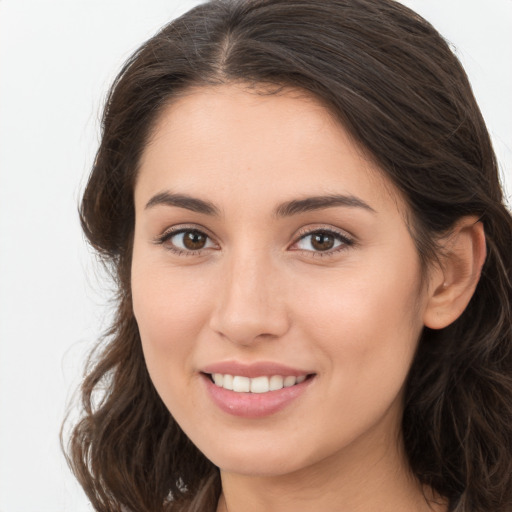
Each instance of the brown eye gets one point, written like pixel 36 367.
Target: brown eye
pixel 194 240
pixel 187 240
pixel 322 241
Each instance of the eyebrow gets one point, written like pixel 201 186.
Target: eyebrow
pixel 309 204
pixel 287 209
pixel 183 201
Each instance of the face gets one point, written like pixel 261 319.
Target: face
pixel 271 256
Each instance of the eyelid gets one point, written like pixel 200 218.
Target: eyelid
pixel 347 239
pixel 169 232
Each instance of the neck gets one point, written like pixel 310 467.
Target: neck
pixel 344 482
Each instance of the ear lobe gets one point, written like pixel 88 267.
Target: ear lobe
pixel 453 284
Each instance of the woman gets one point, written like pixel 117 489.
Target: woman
pixel 300 204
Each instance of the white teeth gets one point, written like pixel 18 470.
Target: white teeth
pixel 262 384
pixel 259 385
pixel 289 381
pixel 228 382
pixel 276 382
pixel 241 384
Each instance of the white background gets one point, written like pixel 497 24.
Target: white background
pixel 57 59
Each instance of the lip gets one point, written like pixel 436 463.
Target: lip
pixel 254 405
pixel 251 370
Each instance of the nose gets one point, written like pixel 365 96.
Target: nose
pixel 251 302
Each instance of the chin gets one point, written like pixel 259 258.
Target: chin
pixel 253 458
pixel 259 466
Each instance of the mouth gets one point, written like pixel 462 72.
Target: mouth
pixel 259 385
pixel 255 389
pixel 257 396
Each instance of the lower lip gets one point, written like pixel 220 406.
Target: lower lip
pixel 254 405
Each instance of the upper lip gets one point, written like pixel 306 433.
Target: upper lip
pixel 251 370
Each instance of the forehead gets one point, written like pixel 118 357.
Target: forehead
pixel 231 140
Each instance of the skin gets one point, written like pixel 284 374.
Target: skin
pixel 260 291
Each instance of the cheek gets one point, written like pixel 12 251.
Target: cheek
pixel 170 316
pixel 365 324
pixel 366 337
pixel 358 303
pixel 167 299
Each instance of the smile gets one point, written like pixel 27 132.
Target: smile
pixel 257 396
pixel 263 384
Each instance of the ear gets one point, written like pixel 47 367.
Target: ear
pixel 452 284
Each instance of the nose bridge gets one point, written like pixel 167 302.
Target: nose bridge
pixel 249 305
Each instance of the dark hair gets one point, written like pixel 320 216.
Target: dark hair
pixel 395 85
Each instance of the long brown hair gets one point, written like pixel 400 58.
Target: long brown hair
pixel 395 85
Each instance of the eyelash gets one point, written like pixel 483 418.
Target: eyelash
pixel 345 241
pixel 174 231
